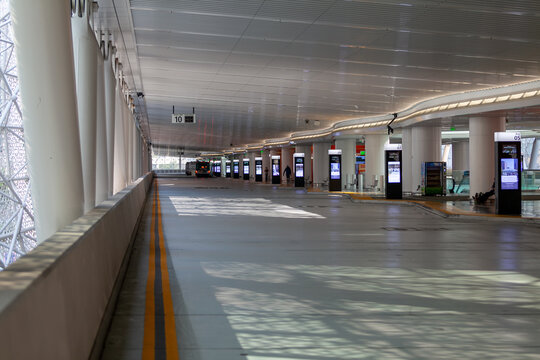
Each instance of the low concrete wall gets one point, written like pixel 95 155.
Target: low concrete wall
pixel 52 300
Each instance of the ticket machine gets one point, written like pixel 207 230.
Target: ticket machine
pixel 236 169
pixel 258 169
pixel 299 159
pixel 392 157
pixel 245 166
pixel 508 173
pixel 228 168
pixel 334 184
pixel 276 169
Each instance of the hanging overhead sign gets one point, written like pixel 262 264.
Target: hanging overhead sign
pixel 183 119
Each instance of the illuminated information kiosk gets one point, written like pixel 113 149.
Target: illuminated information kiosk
pixel 276 170
pixel 258 169
pixel 217 168
pixel 334 184
pixel 508 173
pixel 392 157
pixel 236 169
pixel 246 169
pixel 299 159
pixel 228 168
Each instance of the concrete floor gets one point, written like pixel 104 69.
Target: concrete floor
pixel 261 273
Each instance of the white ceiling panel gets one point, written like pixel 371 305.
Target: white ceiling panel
pixel 185 42
pixel 274 30
pixel 256 69
pixel 190 23
pixel 233 7
pixel 179 54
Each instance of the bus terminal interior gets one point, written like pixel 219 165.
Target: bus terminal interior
pixel 269 179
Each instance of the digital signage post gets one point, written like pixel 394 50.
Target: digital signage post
pixel 508 173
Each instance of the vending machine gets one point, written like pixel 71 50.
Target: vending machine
pixel 228 168
pixel 434 178
pixel 299 159
pixel 258 169
pixel 245 164
pixel 276 170
pixel 392 157
pixel 508 173
pixel 236 169
pixel 334 184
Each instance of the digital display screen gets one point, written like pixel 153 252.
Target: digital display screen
pixel 275 167
pixel 335 173
pixel 235 168
pixel 258 169
pixel 246 169
pixel 509 174
pixel 218 168
pixel 394 172
pixel 228 169
pixel 299 171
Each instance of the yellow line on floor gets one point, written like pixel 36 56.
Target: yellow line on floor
pixel 170 326
pixel 153 296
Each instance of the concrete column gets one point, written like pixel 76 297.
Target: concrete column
pixel 119 143
pixel 85 51
pixel 306 149
pixel 348 161
pixel 460 155
pixel 406 142
pixel 482 151
pixel 426 146
pixel 267 164
pixel 110 106
pixel 534 163
pixel 287 160
pixel 102 170
pixel 375 159
pixel 320 163
pixel 42 31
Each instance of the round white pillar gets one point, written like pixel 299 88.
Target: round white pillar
pixel 129 145
pixel 375 160
pixel 482 151
pixel 266 164
pixel 306 150
pixel 119 143
pixel 42 31
pixel 110 105
pixel 320 163
pixel 251 156
pixel 102 170
pixel 426 146
pixel 460 155
pixel 534 162
pixel 348 162
pixel 85 51
pixel 406 142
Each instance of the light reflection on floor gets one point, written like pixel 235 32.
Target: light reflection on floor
pixel 204 206
pixel 378 313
